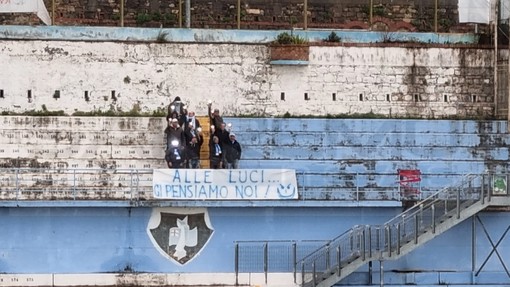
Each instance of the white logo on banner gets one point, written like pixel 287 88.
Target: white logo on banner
pixel 226 184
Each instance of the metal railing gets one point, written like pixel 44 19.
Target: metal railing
pixel 135 184
pixel 74 184
pixel 272 256
pixel 399 235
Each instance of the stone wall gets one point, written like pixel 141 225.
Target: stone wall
pixel 389 15
pixel 393 81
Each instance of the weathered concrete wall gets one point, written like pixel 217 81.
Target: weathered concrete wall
pixel 238 78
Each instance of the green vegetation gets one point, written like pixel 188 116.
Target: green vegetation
pixel 161 38
pixel 287 39
pixel 333 38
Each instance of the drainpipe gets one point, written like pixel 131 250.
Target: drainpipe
pixel 508 74
pixel 496 106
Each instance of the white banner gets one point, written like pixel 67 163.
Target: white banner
pixel 476 11
pixel 26 6
pixel 225 184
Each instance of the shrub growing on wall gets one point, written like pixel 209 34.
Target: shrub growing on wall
pixel 287 39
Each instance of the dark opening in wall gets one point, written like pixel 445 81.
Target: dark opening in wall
pixel 306 97
pixel 87 98
pixel 282 96
pixel 114 97
pixel 388 97
pixel 1 94
pixel 29 94
pixel 361 97
pixel 416 98
pixel 473 98
pixel 445 98
pixel 334 96
pixel 56 94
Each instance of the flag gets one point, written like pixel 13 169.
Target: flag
pixel 476 11
pixel 26 6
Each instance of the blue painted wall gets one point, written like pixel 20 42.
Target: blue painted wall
pixel 78 240
pixel 328 153
pixel 113 239
pixel 99 240
pixel 215 35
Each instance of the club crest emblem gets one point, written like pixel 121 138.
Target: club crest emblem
pixel 179 233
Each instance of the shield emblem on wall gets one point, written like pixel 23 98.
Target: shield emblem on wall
pixel 179 233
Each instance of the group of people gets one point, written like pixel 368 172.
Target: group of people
pixel 184 139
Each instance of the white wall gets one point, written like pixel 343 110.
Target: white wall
pixel 240 80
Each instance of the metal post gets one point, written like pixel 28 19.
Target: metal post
pixel 433 210
pixel 238 14
pixel 381 275
pixel 122 13
pixel 370 273
pixel 131 184
pixel 508 79
pixel 74 183
pixel 294 259
pixel 398 239
pixel 313 274
pixel 357 187
pixel 496 106
pixel 371 13
pixel 363 247
pixel 388 240
pixel 265 261
pixel 236 262
pixel 416 229
pixel 53 12
pixel 327 257
pixel 137 185
pixel 458 203
pixel 305 16
pixel 338 261
pixel 302 273
pixel 482 187
pixel 369 242
pixel 180 13
pixel 188 13
pixel 435 16
pixel 17 183
pixel 489 192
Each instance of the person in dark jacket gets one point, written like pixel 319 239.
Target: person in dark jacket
pixel 215 153
pixel 216 119
pixel 233 152
pixel 193 151
pixel 175 140
pixel 223 138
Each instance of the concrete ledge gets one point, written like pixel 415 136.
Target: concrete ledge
pixel 289 62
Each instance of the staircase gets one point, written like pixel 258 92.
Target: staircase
pixel 417 225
